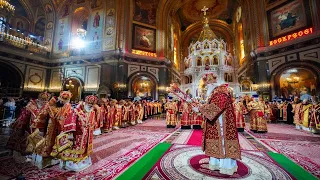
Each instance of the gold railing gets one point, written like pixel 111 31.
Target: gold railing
pixel 26 44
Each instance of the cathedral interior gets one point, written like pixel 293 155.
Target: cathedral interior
pixel 137 49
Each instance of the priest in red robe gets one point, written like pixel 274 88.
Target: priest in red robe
pixel 77 157
pixel 220 137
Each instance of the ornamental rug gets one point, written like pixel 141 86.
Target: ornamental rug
pixel 194 137
pixel 153 125
pixel 113 152
pixel 183 136
pixel 285 132
pixel 306 154
pixel 189 162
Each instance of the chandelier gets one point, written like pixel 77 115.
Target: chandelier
pixel 7 6
pixel 293 80
pixel 70 85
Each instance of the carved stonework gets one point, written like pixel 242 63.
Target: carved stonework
pixel 154 72
pixel 274 63
pixel 133 69
pixel 311 55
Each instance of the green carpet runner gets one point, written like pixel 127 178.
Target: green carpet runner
pixel 294 169
pixel 140 168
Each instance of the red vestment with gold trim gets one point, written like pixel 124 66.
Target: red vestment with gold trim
pixel 186 114
pixel 220 104
pixel 83 136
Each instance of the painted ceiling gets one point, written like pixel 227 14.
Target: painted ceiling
pixel 191 12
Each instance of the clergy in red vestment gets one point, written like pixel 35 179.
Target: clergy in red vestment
pixel 171 115
pixel 56 116
pixel 77 157
pixel 140 112
pixel 258 121
pixel 186 115
pixel 220 137
pixel 23 126
pixel 98 124
pixel 296 109
pixel 314 115
pixel 106 123
pixel 239 109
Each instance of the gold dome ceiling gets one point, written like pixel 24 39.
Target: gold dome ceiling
pixel 192 9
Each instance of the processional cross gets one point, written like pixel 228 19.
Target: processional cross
pixel 204 9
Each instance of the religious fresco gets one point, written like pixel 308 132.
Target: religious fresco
pixel 110 34
pixel 65 11
pixel 144 38
pixel 95 4
pixel 297 82
pixel 96 28
pixel 48 8
pixel 287 18
pixel 62 35
pixel 145 11
pixel 143 87
pixel 21 24
pixel 40 27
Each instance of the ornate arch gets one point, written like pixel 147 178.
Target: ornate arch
pixel 134 77
pixel 307 65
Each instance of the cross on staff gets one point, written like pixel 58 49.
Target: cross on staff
pixel 204 9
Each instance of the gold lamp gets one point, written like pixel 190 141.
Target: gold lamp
pixel 7 6
pixel 70 85
pixel 293 80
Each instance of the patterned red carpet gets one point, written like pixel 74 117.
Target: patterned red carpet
pixel 304 153
pixel 188 162
pixel 194 137
pixel 300 146
pixel 113 152
pixel 286 132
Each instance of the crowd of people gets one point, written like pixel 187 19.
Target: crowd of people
pixel 50 130
pixel 305 114
pixel 11 107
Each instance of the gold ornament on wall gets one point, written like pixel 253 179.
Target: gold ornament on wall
pixel 35 78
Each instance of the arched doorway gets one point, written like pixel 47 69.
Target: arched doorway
pixel 293 80
pixel 297 81
pixel 10 81
pixel 143 85
pixel 75 87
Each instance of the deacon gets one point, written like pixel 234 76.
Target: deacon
pixel 220 138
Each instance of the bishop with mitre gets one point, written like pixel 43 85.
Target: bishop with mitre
pixel 220 138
